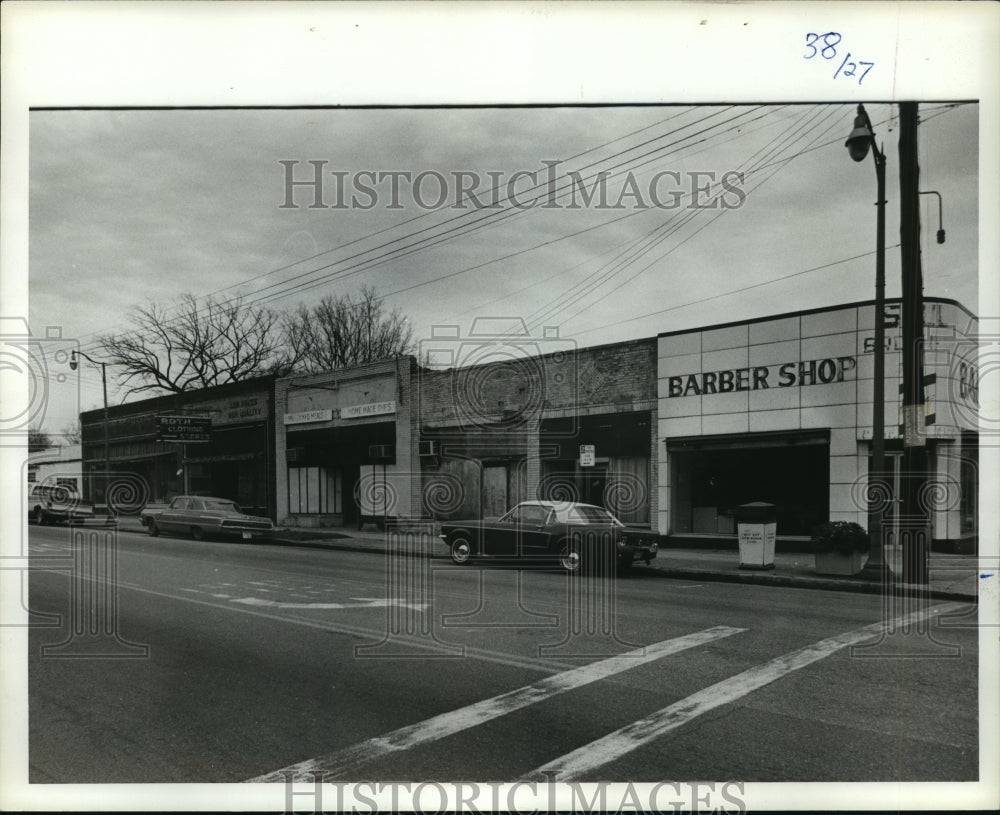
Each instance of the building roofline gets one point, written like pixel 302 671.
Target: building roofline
pixel 803 312
pixel 168 400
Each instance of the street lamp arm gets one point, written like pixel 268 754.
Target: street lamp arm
pixel 940 232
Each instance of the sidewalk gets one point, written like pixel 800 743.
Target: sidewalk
pixel 952 577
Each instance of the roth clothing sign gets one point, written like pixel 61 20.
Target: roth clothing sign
pixel 184 428
pixel 588 455
pixel 788 375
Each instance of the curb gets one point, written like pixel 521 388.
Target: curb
pixel 676 573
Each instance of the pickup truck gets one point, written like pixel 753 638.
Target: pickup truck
pixel 56 503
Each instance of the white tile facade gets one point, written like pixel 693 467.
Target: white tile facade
pixel 809 372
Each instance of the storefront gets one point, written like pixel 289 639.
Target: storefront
pixel 577 424
pixel 346 446
pixel 779 409
pixel 232 455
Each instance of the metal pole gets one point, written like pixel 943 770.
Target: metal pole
pixel 107 453
pixel 916 547
pixel 876 558
pixel 861 140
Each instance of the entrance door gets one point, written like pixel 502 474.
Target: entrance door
pixel 494 490
pixel 593 481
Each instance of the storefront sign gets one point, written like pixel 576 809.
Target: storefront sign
pixel 253 407
pixel 243 409
pixel 788 375
pixel 307 416
pixel 371 409
pixel 588 455
pixel 183 428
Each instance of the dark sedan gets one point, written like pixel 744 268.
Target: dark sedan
pixel 576 536
pixel 202 516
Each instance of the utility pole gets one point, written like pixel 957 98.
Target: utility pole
pixel 915 524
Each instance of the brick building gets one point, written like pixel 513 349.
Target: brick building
pixel 233 458
pixel 509 418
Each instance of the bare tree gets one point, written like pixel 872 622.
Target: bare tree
pixel 340 331
pixel 197 345
pixel 71 433
pixel 38 439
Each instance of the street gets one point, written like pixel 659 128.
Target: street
pixel 227 662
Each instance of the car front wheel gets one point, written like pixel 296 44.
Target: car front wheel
pixel 460 550
pixel 570 557
pixel 197 533
pixel 41 517
pixel 153 529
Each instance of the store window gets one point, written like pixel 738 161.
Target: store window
pixel 969 505
pixel 314 491
pixel 711 478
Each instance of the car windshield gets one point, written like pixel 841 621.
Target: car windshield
pixel 220 505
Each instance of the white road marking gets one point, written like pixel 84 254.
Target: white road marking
pixel 631 737
pixel 366 602
pixel 341 762
pixel 432 647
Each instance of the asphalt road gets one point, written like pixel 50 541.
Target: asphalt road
pixel 176 661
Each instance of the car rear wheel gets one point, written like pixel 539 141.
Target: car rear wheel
pixel 153 529
pixel 41 517
pixel 460 550
pixel 197 533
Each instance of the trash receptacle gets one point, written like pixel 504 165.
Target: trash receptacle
pixel 756 528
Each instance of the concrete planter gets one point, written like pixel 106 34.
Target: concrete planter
pixel 835 563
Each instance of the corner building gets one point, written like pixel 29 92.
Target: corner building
pixel 779 409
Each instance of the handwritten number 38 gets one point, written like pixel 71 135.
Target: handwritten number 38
pixel 830 42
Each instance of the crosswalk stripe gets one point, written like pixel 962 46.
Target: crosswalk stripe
pixel 633 736
pixel 338 764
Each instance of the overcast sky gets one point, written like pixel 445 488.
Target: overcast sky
pixel 127 205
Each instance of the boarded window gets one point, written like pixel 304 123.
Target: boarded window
pixel 314 491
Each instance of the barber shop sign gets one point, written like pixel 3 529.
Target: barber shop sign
pixel 761 377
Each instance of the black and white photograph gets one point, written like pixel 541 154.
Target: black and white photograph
pixel 499 407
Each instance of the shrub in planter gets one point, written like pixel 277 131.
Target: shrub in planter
pixel 840 547
pixel 839 536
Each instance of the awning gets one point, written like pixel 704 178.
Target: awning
pixel 748 441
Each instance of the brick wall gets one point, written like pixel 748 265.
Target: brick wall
pixel 581 381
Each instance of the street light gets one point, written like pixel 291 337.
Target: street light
pixel 861 139
pixel 104 384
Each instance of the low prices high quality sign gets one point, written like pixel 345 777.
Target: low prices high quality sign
pixel 184 428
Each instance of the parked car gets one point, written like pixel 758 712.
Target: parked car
pixel 202 516
pixel 576 536
pixel 56 503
